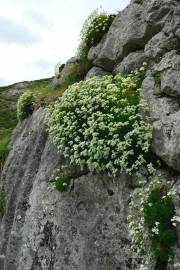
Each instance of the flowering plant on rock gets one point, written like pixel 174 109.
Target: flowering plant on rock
pixel 94 27
pixel 98 124
pixel 153 221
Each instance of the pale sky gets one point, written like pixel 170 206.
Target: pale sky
pixel 36 34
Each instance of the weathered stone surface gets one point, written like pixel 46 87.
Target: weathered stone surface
pixel 165 116
pixel 95 50
pixel 84 228
pixel 169 70
pixel 121 33
pixel 159 106
pixel 178 33
pixel 131 30
pixel 173 24
pixel 54 83
pixel 166 139
pixel 133 61
pixel 96 71
pixel 160 44
pixel 70 64
pixel 170 82
pixel 169 60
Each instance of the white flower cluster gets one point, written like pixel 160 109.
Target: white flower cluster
pixel 94 27
pixel 97 123
pixel 175 220
pixel 155 229
pixel 137 227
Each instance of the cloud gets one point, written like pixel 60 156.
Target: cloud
pixel 15 32
pixel 44 65
pixel 3 82
pixel 39 19
pixel 29 25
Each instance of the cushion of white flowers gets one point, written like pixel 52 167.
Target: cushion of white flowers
pixel 97 123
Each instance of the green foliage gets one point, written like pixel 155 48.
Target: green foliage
pixel 97 123
pixel 25 105
pixel 158 212
pixel 4 146
pixel 76 72
pixel 62 182
pixel 95 26
pixel 153 222
pixel 2 204
pixel 73 75
pixel 8 113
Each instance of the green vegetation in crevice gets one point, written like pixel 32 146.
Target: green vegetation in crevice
pixel 62 183
pixel 158 212
pixel 153 222
pixel 76 72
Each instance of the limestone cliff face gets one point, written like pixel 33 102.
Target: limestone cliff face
pixel 85 228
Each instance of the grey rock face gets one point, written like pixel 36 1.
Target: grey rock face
pixel 96 71
pixel 170 77
pixel 169 60
pixel 166 139
pixel 169 70
pixel 54 83
pixel 178 33
pixel 159 106
pixel 165 116
pixel 95 50
pixel 160 44
pixel 170 82
pixel 131 30
pixel 121 33
pixel 173 24
pixel 84 228
pixel 57 81
pixel 133 61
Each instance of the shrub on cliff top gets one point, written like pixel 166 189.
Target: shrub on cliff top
pixel 97 123
pixel 25 105
pixel 94 27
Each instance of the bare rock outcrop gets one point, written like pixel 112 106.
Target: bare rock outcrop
pixel 84 228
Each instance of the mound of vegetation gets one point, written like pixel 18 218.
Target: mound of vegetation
pixel 97 123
